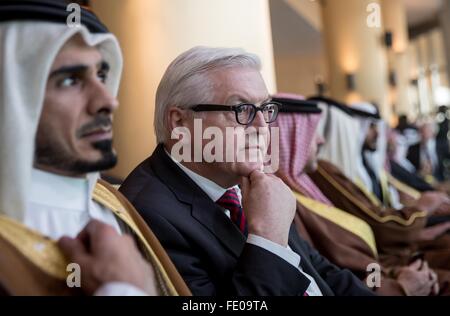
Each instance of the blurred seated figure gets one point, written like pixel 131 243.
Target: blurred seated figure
pixel 424 155
pixel 399 232
pixel 343 238
pixel 404 125
pixel 58 88
pixel 442 140
pixel 400 167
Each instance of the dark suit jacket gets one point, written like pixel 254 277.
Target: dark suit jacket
pixel 209 250
pixel 412 179
pixel 414 155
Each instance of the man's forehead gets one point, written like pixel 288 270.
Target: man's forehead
pixel 76 51
pixel 248 96
pixel 240 84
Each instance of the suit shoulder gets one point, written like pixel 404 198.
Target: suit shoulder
pixel 149 194
pixel 142 180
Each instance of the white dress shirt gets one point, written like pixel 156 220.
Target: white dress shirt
pixel 215 192
pixel 62 206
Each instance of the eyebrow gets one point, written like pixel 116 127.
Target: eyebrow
pixel 103 65
pixel 268 99
pixel 244 100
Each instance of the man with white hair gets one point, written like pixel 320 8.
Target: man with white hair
pixel 58 88
pixel 225 241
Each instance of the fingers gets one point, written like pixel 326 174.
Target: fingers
pixel 432 282
pixel 425 268
pixel 443 208
pixel 95 235
pixel 433 232
pixel 442 198
pixel 273 176
pixel 416 265
pixel 444 228
pixel 433 276
pixel 85 239
pixel 245 184
pixel 435 280
pixel 73 249
pixel 256 175
pixel 93 228
pixel 245 189
pixel 89 230
pixel 426 283
pixel 440 229
pixel 436 289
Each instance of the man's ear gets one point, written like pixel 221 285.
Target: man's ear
pixel 176 117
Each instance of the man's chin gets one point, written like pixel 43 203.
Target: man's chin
pixel 106 161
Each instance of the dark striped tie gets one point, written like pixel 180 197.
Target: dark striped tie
pixel 230 201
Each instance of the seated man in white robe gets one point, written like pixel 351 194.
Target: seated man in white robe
pixel 58 86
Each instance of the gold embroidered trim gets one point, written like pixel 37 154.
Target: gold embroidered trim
pixel 105 197
pixel 368 211
pixel 41 251
pixel 345 220
pixel 384 191
pixel 402 187
pixel 372 197
pixel 387 199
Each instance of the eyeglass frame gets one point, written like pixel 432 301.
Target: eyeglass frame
pixel 234 108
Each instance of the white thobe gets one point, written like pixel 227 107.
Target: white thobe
pixel 62 206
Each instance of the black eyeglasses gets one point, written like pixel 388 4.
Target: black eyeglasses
pixel 245 113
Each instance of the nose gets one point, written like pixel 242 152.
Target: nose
pixel 320 140
pixel 101 100
pixel 262 128
pixel 259 120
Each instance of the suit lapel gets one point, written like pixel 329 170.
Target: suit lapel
pixel 214 219
pixel 204 210
pixel 212 216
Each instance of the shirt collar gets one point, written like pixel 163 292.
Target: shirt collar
pixel 54 190
pixel 212 189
